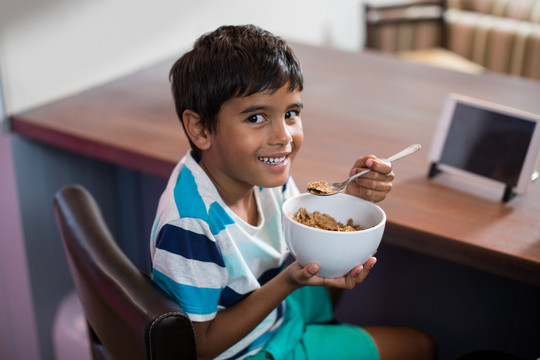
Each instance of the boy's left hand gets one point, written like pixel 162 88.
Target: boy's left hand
pixel 375 185
pixel 308 275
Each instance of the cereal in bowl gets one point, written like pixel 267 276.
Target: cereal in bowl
pixel 323 221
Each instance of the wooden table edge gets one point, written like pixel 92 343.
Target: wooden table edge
pixel 98 150
pixel 480 258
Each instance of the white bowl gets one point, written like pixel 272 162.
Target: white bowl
pixel 337 253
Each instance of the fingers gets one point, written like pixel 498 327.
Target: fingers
pixel 368 266
pixel 379 166
pixel 375 185
pixel 368 189
pixel 352 276
pixel 359 273
pixel 381 169
pixel 356 276
pixel 308 275
pixel 372 190
pixel 311 270
pixel 303 275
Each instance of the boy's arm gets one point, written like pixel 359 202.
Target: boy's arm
pixel 234 323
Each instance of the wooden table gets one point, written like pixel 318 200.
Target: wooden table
pixel 355 104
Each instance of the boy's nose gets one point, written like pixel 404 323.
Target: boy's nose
pixel 281 134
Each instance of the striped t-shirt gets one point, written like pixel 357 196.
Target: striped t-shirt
pixel 207 258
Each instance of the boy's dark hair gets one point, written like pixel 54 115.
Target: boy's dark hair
pixel 232 61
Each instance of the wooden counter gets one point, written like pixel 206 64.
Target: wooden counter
pixel 355 104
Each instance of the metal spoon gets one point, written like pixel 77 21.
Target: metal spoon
pixel 336 188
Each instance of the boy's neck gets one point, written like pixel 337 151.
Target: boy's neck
pixel 245 208
pixel 241 201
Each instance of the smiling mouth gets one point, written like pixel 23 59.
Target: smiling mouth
pixel 272 160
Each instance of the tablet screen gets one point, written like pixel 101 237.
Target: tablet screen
pixel 487 143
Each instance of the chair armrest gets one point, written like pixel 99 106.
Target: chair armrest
pixel 165 334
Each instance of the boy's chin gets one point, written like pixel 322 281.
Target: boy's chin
pixel 271 183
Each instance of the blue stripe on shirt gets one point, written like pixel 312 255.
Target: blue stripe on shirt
pixel 268 275
pixel 260 341
pixel 187 194
pixel 284 187
pixel 280 311
pixel 229 297
pixel 189 245
pixel 218 218
pixel 189 203
pixel 257 343
pixel 187 296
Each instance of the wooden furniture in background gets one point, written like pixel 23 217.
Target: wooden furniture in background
pixel 405 25
pixel 466 35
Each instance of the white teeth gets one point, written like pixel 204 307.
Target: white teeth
pixel 272 160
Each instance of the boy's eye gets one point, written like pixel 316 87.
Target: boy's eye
pixel 255 119
pixel 291 114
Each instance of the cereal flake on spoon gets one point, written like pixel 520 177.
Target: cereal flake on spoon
pixel 319 187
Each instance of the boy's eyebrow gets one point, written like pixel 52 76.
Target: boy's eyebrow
pixel 255 108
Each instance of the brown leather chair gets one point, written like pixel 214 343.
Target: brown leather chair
pixel 128 316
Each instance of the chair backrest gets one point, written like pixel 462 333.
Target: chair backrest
pixel 128 315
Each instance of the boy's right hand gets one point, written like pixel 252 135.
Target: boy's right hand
pixel 302 276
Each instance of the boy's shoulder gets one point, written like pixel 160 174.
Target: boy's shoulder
pixel 190 193
pixel 188 186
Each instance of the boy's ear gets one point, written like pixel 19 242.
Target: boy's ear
pixel 195 129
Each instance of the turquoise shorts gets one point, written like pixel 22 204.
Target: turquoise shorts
pixel 307 334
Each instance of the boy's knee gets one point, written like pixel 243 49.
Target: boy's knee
pixel 403 343
pixel 425 343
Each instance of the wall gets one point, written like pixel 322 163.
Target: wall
pixel 18 340
pixel 51 48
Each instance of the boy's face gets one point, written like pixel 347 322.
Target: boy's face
pixel 256 140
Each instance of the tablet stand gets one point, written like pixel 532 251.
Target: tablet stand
pixel 433 170
pixel 508 194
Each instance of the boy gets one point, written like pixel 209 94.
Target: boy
pixel 217 246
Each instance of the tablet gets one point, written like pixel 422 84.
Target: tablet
pixel 487 140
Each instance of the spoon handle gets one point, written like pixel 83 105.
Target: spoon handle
pixel 408 151
pixel 405 152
